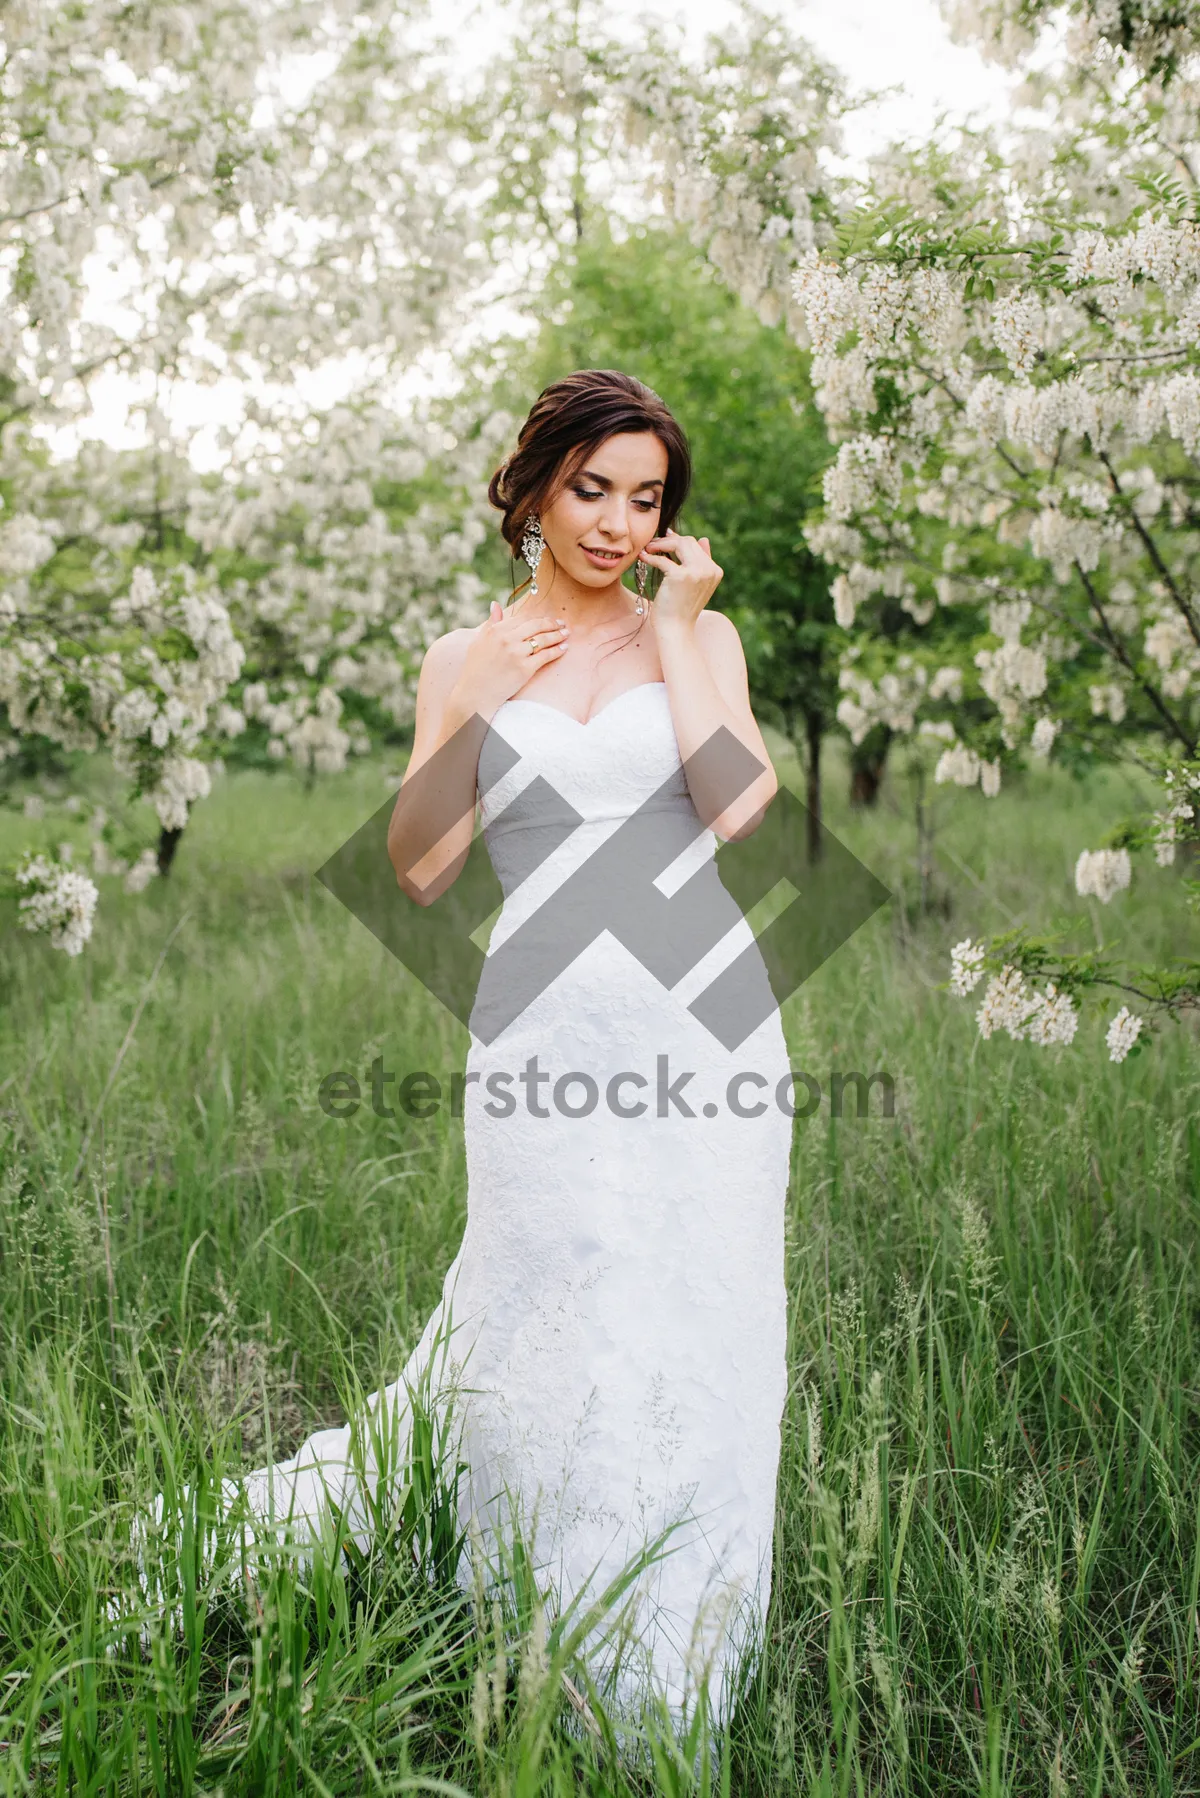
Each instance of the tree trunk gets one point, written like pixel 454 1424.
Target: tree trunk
pixel 868 760
pixel 866 778
pixel 812 737
pixel 168 843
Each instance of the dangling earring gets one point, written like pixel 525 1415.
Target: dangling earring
pixel 532 545
pixel 640 571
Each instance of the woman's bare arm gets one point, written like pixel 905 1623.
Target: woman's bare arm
pixel 434 818
pixel 704 666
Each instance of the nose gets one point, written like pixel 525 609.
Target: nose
pixel 614 517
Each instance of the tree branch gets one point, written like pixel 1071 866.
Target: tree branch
pixel 1152 550
pixel 1118 649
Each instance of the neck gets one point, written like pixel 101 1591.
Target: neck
pixel 587 610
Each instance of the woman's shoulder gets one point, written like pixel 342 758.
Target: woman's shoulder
pixel 718 636
pixel 454 641
pixel 718 625
pixel 716 630
pixel 444 655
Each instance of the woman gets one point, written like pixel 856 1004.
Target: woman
pixel 618 1299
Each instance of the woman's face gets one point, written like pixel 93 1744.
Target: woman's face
pixel 602 519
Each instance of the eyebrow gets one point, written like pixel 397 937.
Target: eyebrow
pixel 589 474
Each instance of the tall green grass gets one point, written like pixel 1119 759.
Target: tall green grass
pixel 987 1567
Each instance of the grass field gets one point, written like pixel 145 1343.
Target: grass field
pixel 988 1538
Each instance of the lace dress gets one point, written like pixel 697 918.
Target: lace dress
pixel 617 1303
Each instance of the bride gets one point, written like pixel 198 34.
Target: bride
pixel 618 1297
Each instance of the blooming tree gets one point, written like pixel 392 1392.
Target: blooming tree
pixel 351 578
pixel 244 232
pixel 1156 35
pixel 265 192
pixel 737 143
pixel 1007 345
pixel 290 608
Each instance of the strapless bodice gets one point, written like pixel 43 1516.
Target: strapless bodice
pixel 552 789
pixel 606 869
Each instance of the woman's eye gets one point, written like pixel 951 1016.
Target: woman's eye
pixel 643 505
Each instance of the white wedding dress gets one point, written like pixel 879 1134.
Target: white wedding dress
pixel 617 1303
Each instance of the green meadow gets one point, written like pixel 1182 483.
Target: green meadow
pixel 987 1553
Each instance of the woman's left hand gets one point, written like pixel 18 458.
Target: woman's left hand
pixel 690 581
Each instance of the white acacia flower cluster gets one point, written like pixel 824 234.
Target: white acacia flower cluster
pixel 1122 1033
pixel 893 700
pixel 305 726
pixel 1169 644
pixel 58 900
pixel 182 780
pixel 960 764
pixel 966 967
pixel 1041 1015
pixel 1108 700
pixel 1102 873
pixel 1011 676
pixel 25 544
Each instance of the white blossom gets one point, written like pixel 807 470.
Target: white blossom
pixel 958 764
pixel 1102 873
pixel 1019 327
pixel 1122 1033
pixel 182 781
pixel 25 544
pixel 1007 1004
pixel 1108 701
pixel 59 900
pixel 947 683
pixel 966 966
pixel 142 872
pixel 1054 1019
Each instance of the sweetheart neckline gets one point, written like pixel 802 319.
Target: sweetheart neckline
pixel 583 723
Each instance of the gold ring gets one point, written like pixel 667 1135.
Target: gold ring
pixel 534 646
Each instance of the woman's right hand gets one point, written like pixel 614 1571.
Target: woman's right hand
pixel 500 659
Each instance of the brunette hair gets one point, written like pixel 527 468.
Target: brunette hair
pixel 568 420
